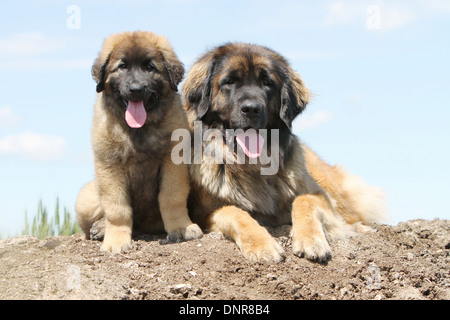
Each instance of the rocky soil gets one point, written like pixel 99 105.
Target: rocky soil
pixel 406 261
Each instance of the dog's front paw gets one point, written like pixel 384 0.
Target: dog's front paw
pixel 264 249
pixel 116 241
pixel 190 232
pixel 315 248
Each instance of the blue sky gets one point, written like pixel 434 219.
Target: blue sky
pixel 379 71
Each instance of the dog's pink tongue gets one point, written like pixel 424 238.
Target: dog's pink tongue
pixel 251 142
pixel 135 114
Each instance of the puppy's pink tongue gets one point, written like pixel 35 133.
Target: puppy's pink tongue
pixel 251 142
pixel 135 114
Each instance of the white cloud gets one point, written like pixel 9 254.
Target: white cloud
pixel 26 51
pixel 396 17
pixel 42 64
pixel 442 6
pixel 344 12
pixel 386 16
pixel 8 118
pixel 309 122
pixel 28 45
pixel 34 146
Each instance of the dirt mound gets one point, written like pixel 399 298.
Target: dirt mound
pixel 407 261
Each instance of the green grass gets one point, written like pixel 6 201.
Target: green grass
pixel 43 225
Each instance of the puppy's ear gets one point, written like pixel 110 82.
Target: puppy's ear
pixel 175 71
pixel 197 88
pixel 100 68
pixel 294 97
pixel 99 71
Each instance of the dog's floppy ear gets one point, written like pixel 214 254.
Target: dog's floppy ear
pixel 174 68
pixel 294 96
pixel 197 88
pixel 100 67
pixel 99 71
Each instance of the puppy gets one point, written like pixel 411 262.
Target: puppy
pixel 137 187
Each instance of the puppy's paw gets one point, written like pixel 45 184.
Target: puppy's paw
pixel 264 249
pixel 117 242
pixel 190 232
pixel 315 249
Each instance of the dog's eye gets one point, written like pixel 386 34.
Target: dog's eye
pixel 228 82
pixel 123 66
pixel 149 67
pixel 267 82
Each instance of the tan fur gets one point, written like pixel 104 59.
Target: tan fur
pixel 355 201
pixel 254 241
pixel 129 163
pixel 320 201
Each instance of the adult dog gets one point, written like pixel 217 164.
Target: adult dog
pixel 252 88
pixel 137 187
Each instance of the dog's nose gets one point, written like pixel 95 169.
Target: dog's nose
pixel 136 88
pixel 251 109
